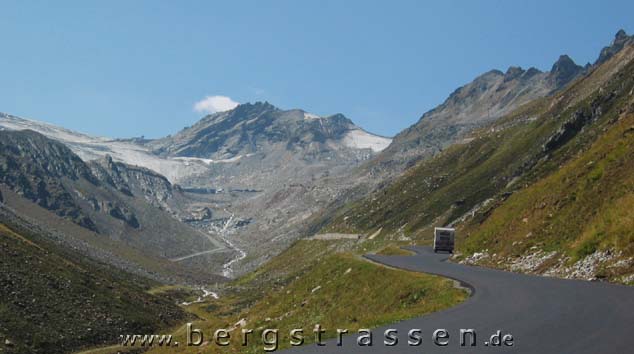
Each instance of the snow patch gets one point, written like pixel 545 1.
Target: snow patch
pixel 209 161
pixel 360 139
pixel 91 148
pixel 309 116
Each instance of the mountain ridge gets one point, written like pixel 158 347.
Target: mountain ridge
pixel 486 98
pixel 250 126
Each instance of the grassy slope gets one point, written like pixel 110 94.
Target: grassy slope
pixel 350 293
pixel 584 205
pixel 585 182
pixel 55 301
pixel 582 197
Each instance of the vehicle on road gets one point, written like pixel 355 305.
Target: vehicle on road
pixel 444 239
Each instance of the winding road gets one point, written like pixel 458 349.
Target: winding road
pixel 544 315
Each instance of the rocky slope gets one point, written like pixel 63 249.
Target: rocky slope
pixel 129 151
pixel 261 147
pixel 128 205
pixel 141 182
pixel 34 166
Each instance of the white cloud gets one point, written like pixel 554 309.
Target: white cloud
pixel 213 104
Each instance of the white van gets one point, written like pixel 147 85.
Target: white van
pixel 444 239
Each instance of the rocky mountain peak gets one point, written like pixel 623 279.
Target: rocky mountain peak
pixel 256 107
pixel 532 71
pixel 563 63
pixel 486 98
pixel 243 111
pixel 341 119
pixel 257 128
pixel 563 71
pixel 620 40
pixel 513 72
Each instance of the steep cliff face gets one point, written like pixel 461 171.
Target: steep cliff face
pixel 621 39
pixel 41 170
pixel 135 181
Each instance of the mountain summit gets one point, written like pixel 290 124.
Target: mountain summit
pixel 620 40
pixel 256 127
pixel 563 71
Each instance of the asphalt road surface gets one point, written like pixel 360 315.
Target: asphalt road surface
pixel 544 315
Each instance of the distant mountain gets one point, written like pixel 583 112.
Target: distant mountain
pixel 484 100
pixel 258 127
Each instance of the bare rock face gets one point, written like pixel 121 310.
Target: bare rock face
pixel 108 172
pixel 135 181
pixel 121 212
pixel 620 40
pixel 577 121
pixel 50 174
pixel 40 170
pixel 563 71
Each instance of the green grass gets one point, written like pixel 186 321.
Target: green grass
pixel 321 282
pixel 583 207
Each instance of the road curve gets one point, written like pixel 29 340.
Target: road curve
pixel 544 315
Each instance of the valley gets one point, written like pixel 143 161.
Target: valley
pixel 265 181
pixel 259 217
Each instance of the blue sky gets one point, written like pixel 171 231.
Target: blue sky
pixel 131 68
